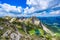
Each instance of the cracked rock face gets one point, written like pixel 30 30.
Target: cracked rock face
pixel 1 28
pixel 15 36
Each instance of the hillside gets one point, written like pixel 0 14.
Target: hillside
pixel 23 29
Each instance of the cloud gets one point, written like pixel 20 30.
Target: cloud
pixel 38 8
pixel 43 7
pixel 55 12
pixel 42 4
pixel 29 10
pixel 8 10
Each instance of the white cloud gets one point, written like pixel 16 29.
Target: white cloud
pixel 29 10
pixel 8 10
pixel 55 12
pixel 39 4
pixel 42 5
pixel 57 5
pixel 35 5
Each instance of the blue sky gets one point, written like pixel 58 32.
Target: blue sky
pixel 27 8
pixel 15 2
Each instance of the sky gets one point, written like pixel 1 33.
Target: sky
pixel 28 8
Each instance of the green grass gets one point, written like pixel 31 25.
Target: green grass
pixel 54 29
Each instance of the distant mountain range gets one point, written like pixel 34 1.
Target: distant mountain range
pixel 53 23
pixel 50 20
